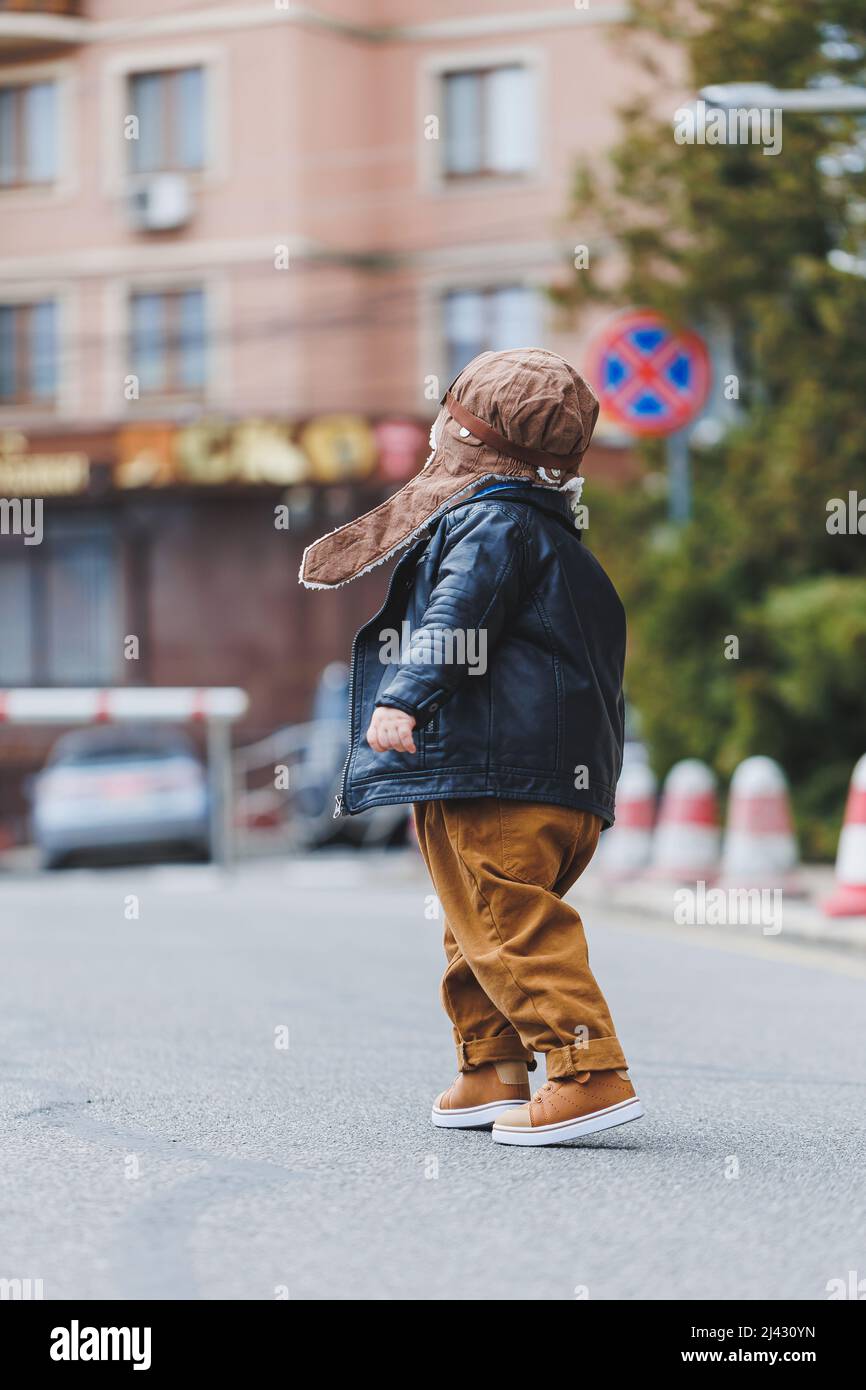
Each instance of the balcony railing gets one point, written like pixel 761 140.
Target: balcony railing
pixel 33 25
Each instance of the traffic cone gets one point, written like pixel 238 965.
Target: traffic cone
pixel 686 840
pixel 627 849
pixel 760 848
pixel 849 897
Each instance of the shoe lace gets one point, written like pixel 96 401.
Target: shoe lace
pixel 544 1090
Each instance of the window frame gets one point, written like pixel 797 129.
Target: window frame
pixel 487 289
pixel 118 174
pixel 493 268
pixel 65 180
pixel 23 347
pixel 117 292
pixel 170 76
pixel 433 177
pixel 484 170
pixel 24 413
pixel 174 387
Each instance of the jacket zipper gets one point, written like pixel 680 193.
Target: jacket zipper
pixel 340 798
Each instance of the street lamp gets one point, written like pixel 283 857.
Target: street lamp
pixel 832 99
pixel 814 100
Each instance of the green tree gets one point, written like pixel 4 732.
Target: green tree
pixel 727 237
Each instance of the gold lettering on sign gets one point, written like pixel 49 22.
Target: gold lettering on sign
pixel 24 474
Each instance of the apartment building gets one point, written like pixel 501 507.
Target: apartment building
pixel 243 248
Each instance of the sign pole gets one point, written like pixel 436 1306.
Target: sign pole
pixel 219 759
pixel 679 478
pixel 653 380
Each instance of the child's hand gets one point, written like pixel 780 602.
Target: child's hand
pixel 391 728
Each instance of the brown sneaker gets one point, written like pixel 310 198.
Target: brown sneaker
pixel 477 1097
pixel 561 1110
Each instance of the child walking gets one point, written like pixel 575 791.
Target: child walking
pixel 488 692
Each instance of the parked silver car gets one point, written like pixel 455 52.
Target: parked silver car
pixel 116 788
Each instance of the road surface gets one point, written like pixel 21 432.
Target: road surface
pixel 227 1095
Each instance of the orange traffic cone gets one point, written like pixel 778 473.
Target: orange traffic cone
pixel 849 897
pixel 686 841
pixel 760 848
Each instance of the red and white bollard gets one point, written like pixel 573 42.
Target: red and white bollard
pixel 626 850
pixel 759 848
pixel 686 840
pixel 848 899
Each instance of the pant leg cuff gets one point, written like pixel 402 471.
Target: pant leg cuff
pixel 506 1048
pixel 599 1054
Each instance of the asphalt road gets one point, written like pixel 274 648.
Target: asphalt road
pixel 158 1140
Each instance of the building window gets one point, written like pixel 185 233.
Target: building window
pixel 169 107
pixel 28 134
pixel 168 341
pixel 28 353
pixel 488 320
pixel 59 622
pixel 489 117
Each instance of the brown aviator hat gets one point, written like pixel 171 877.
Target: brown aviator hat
pixel 524 413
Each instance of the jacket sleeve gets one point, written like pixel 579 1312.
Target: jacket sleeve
pixel 479 581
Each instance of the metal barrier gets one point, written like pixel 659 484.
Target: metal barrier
pixel 216 706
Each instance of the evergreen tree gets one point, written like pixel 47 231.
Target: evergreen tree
pixel 727 237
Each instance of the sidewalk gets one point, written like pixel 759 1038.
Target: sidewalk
pixel 801 916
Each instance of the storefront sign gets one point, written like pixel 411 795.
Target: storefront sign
pixel 341 448
pixel 27 474
pixel 402 445
pixel 329 449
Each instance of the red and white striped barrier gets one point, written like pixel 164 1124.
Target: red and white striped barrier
pixel 686 840
pixel 74 705
pixel 626 850
pixel 849 896
pixel 759 848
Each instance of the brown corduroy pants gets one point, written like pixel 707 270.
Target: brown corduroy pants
pixel 518 979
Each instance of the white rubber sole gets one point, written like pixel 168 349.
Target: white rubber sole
pixel 472 1116
pixel 569 1129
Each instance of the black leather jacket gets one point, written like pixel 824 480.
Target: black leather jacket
pixel 514 670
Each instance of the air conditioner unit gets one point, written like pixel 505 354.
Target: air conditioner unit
pixel 160 202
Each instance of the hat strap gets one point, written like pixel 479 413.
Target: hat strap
pixel 537 458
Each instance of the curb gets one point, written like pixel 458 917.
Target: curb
pixel 801 917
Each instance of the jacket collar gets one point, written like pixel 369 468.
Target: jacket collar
pixel 556 504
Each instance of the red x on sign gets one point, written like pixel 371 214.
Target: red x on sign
pixel 650 377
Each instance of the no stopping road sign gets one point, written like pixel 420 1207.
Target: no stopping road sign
pixel 649 376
